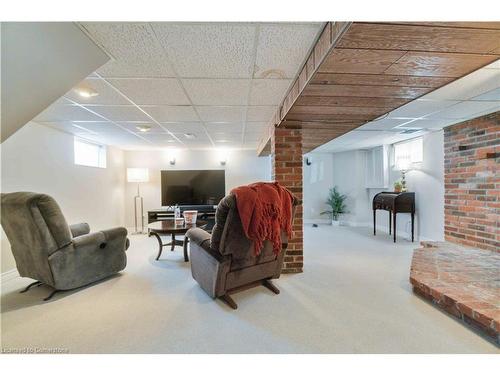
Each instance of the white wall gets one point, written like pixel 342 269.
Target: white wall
pixel 242 167
pixel 348 174
pixel 317 181
pixel 40 159
pixel 428 184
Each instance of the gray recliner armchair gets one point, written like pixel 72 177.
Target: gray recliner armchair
pixel 224 262
pixel 50 251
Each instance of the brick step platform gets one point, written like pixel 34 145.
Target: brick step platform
pixel 464 282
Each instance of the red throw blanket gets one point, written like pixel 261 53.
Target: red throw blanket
pixel 265 210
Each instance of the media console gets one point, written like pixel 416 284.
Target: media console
pixel 205 212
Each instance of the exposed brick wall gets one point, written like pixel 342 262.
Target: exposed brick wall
pixel 472 182
pixel 286 154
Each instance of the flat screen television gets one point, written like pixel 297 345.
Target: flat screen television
pixel 199 187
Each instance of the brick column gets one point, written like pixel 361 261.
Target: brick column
pixel 286 154
pixel 472 182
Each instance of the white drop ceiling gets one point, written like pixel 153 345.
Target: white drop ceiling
pixel 471 96
pixel 221 82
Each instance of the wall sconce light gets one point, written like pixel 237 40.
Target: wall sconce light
pixel 171 155
pixel 222 156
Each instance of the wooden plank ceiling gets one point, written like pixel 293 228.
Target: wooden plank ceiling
pixel 360 71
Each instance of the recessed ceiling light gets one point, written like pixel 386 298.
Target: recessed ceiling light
pixel 171 141
pixel 86 92
pixel 143 128
pixel 189 135
pixel 221 141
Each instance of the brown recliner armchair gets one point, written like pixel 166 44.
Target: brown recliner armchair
pixel 225 262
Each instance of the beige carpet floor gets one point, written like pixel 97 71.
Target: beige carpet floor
pixel 354 297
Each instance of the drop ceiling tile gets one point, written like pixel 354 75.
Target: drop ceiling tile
pixel 107 95
pixel 421 107
pixel 260 113
pixel 493 95
pixel 201 140
pixel 383 124
pixel 249 144
pixel 221 114
pixel 101 127
pixel 256 127
pixel 171 113
pixel 184 127
pixel 159 138
pixel 217 91
pixel 253 137
pixel 474 84
pixel 213 50
pixel 132 126
pixel 157 91
pixel 268 91
pixel 57 112
pixel 134 49
pixel 282 48
pixel 219 137
pixel 120 113
pixel 124 140
pixel 426 124
pixel 67 127
pixel 226 127
pixel 494 65
pixel 465 110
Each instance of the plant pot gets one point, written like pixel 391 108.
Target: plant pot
pixel 397 190
pixel 335 223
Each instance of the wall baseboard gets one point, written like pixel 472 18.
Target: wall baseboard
pixel 9 275
pixel 316 221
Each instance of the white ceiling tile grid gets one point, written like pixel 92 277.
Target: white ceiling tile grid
pixel 215 80
pixel 106 93
pixel 217 91
pixel 157 91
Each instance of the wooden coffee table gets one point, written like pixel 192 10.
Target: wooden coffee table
pixel 164 227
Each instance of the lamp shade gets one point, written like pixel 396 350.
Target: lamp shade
pixel 403 163
pixel 137 175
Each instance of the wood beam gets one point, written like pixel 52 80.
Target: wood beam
pixel 374 68
pixel 327 40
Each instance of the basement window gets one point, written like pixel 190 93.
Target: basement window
pixel 411 152
pixel 89 154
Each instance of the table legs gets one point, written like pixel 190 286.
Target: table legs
pixel 185 248
pixel 174 242
pixel 394 229
pixel 374 222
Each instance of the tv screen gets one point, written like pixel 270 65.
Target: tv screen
pixel 192 187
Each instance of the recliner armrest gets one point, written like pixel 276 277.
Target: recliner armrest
pixel 79 229
pixel 199 236
pixel 208 267
pixel 202 238
pixel 116 235
pixel 96 239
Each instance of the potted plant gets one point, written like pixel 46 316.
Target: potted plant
pixel 336 202
pixel 398 186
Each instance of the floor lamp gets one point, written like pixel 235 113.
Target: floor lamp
pixel 138 175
